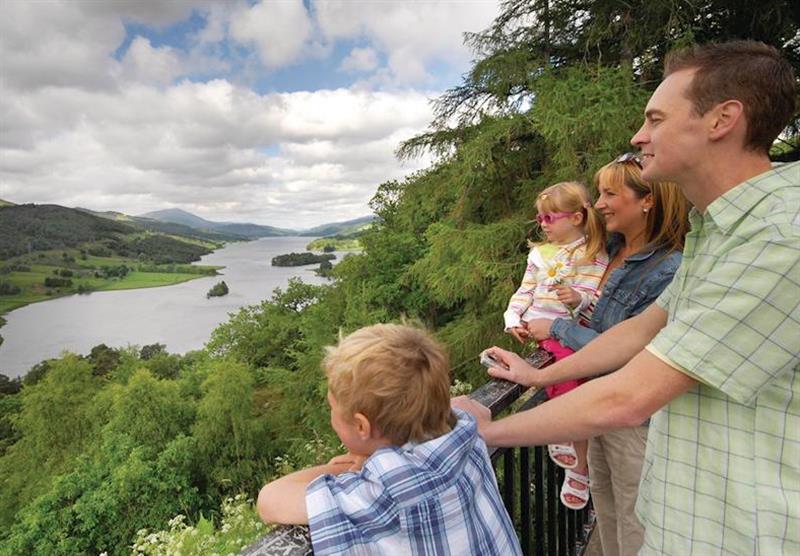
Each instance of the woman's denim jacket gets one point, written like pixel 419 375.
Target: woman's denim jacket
pixel 630 288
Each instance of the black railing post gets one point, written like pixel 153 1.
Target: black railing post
pixel 508 480
pixel 538 494
pixel 552 506
pixel 525 500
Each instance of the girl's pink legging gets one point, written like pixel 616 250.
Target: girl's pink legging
pixel 559 352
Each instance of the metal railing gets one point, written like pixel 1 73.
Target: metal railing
pixel 529 483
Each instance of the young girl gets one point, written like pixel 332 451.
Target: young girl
pixel 561 278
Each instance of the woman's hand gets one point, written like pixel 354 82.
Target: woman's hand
pixel 539 329
pixel 567 296
pixel 517 370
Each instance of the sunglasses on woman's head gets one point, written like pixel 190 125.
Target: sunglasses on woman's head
pixel 629 157
pixel 550 217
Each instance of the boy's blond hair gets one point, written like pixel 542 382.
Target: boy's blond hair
pixel 395 375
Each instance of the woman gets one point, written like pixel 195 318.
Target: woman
pixel 647 224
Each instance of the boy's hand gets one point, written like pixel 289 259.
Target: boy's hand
pixel 481 413
pixel 567 295
pixel 352 461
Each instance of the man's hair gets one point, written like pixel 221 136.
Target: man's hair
pixel 751 72
pixel 395 375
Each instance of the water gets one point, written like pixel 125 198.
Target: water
pixel 179 316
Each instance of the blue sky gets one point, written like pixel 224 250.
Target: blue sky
pixel 279 112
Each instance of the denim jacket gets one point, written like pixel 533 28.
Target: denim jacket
pixel 630 288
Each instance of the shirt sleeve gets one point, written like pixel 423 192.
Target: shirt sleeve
pixel 587 278
pixel 523 297
pixel 334 504
pixel 572 334
pixel 736 328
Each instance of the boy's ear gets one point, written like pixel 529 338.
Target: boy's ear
pixel 363 426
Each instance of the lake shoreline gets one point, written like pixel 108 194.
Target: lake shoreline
pixel 181 316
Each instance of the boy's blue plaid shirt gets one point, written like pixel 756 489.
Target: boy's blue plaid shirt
pixel 437 497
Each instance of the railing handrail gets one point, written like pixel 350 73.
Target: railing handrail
pixel 497 395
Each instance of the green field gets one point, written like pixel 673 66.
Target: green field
pixel 84 280
pixel 349 244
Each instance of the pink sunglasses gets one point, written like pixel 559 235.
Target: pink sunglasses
pixel 550 217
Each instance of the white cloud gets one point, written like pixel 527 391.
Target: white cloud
pixel 360 59
pixel 411 34
pixel 143 63
pixel 202 145
pixel 279 30
pixel 79 127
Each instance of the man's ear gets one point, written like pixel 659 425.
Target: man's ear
pixel 363 426
pixel 724 118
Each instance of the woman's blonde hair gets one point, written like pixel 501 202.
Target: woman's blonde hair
pixel 397 376
pixel 667 221
pixel 572 196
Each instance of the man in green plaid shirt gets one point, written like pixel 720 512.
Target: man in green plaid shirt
pixel 715 359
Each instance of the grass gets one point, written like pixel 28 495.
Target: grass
pixel 338 244
pixel 33 289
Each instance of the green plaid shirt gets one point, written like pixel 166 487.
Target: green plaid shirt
pixel 722 468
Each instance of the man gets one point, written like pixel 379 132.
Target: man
pixel 715 358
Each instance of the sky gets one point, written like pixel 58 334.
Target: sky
pixel 278 112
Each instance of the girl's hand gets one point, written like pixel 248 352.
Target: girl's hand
pixel 539 329
pixel 567 296
pixel 520 333
pixel 517 369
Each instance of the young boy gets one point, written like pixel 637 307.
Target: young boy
pixel 416 480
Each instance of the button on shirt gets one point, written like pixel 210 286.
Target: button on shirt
pixel 722 468
pixel 438 497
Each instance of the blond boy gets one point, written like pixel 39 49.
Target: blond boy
pixel 416 480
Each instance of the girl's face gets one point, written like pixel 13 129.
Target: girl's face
pixel 561 228
pixel 622 209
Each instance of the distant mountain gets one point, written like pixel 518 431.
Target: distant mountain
pixel 178 216
pixel 6 203
pixel 339 228
pixel 25 228
pixel 250 231
pixel 168 227
pixel 28 228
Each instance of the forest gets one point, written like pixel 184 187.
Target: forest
pixel 126 450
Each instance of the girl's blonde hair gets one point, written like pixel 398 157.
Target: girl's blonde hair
pixel 668 221
pixel 572 196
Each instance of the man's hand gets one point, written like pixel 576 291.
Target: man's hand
pixel 517 369
pixel 567 295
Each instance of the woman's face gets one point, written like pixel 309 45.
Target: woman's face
pixel 622 209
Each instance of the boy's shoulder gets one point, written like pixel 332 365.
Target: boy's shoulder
pixel 379 506
pixel 413 470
